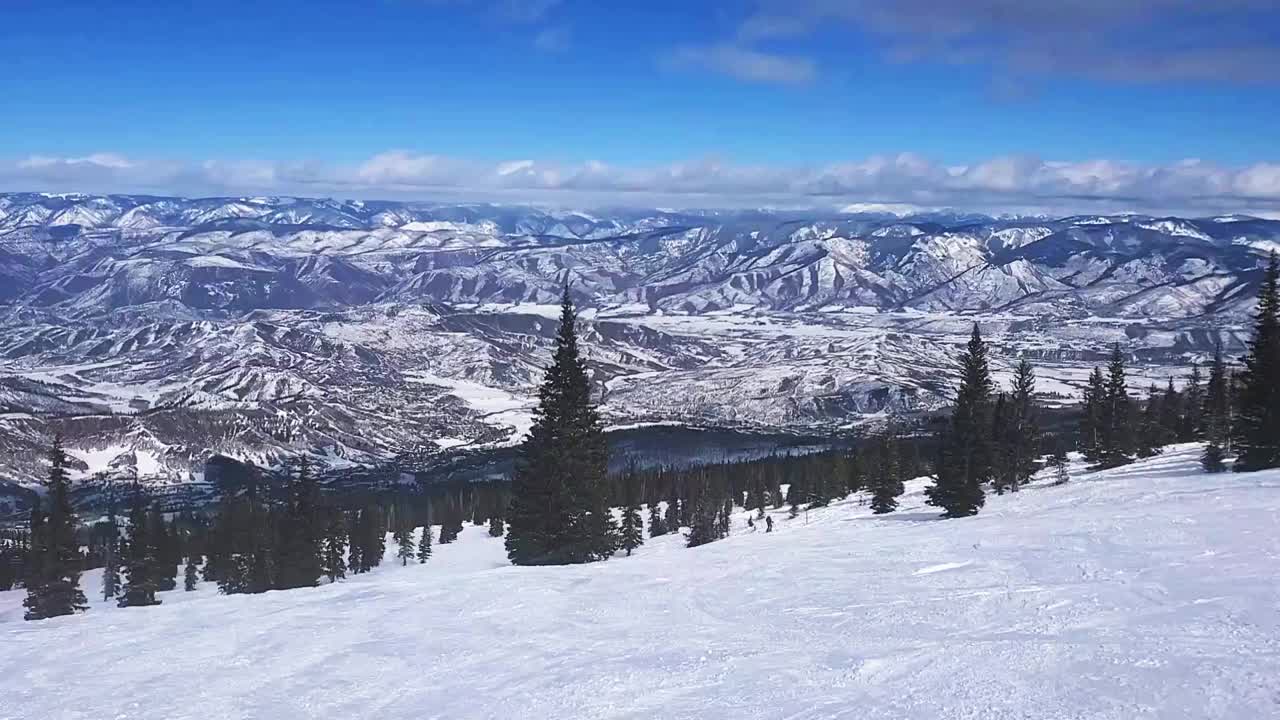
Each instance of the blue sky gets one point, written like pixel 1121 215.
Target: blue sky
pixel 290 96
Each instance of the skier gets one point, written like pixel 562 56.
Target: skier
pixel 751 525
pixel 768 523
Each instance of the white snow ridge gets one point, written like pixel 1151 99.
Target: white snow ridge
pixel 1150 591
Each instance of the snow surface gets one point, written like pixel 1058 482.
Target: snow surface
pixel 1150 591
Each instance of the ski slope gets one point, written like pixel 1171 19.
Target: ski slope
pixel 1150 591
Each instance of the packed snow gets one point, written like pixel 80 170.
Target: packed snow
pixel 1149 591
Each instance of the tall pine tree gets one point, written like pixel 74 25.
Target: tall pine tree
pixel 965 462
pixel 53 586
pixel 558 512
pixel 1257 432
pixel 139 557
pixel 1216 415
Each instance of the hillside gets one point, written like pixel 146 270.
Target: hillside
pixel 1150 591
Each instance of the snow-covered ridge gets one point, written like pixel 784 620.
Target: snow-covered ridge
pixel 265 327
pixel 1146 592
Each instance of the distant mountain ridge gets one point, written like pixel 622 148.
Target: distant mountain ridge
pixel 153 330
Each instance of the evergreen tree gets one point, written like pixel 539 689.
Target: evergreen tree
pixel 111 554
pixel 1150 431
pixel 558 511
pixel 656 526
pixel 298 557
pixel 1216 415
pixel 703 527
pixel 139 557
pixel 1190 428
pixel 631 530
pixel 1023 439
pixel 164 574
pixel 333 561
pixel 965 463
pixel 1116 438
pixel 1257 432
pixel 671 520
pixel 1091 430
pixel 191 576
pixel 355 555
pixel 1171 413
pixel 886 479
pixel 403 536
pixel 53 589
pixel 424 544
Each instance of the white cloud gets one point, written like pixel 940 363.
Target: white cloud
pixel 743 64
pixel 1001 184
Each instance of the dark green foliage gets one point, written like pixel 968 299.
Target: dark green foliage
pixel 191 575
pixel 53 584
pixel 1150 435
pixel 1216 416
pixel 164 551
pixel 497 528
pixel 424 544
pixel 1190 426
pixel 1091 429
pixel 403 535
pixel 559 513
pixel 111 555
pixel 138 550
pixel 657 527
pixel 966 462
pixel 298 556
pixel 885 478
pixel 631 529
pixel 1117 437
pixel 1257 431
pixel 334 548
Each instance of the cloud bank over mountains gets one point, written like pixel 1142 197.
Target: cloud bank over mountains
pixel 1002 184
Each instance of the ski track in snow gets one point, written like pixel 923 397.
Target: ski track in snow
pixel 1150 591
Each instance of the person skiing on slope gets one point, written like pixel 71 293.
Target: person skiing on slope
pixel 768 523
pixel 751 525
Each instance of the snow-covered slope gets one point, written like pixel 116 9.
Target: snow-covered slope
pixel 1150 591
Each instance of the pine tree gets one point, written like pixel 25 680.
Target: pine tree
pixel 631 530
pixel 1149 429
pixel 164 572
pixel 1171 412
pixel 1216 415
pixel 424 544
pixel 403 536
pixel 299 563
pixel 656 527
pixel 1257 432
pixel 355 555
pixel 703 526
pixel 1190 428
pixel 111 556
pixel 53 588
pixel 139 558
pixel 886 478
pixel 559 513
pixel 671 520
pixel 1091 429
pixel 333 561
pixel 966 450
pixel 1023 423
pixel 191 576
pixel 1116 438
pixel 497 527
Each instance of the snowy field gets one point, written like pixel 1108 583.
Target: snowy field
pixel 1151 591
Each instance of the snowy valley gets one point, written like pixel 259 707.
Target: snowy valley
pixel 153 332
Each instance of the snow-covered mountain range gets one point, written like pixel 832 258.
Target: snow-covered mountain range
pixel 151 331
